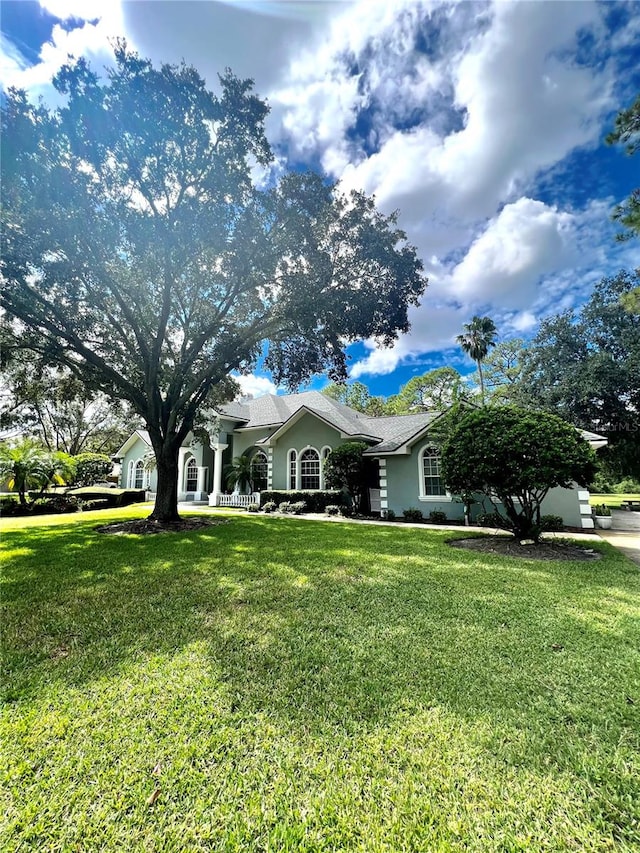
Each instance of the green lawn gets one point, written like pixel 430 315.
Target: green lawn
pixel 613 501
pixel 292 686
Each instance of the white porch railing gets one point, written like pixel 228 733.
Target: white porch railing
pixel 234 500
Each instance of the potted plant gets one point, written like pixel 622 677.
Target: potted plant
pixel 603 516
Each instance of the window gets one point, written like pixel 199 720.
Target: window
pixel 432 482
pixel 259 470
pixel 309 470
pixel 293 469
pixel 192 475
pixel 130 474
pixel 139 475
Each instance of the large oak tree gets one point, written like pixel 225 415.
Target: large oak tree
pixel 140 252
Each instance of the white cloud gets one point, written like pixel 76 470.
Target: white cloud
pixel 255 386
pixel 91 40
pixel 505 265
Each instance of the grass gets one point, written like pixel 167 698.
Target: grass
pixel 294 686
pixel 612 501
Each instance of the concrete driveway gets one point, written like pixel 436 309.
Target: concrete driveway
pixel 624 533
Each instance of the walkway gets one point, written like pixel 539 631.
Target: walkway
pixel 624 533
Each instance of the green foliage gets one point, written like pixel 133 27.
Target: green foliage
pixel 518 456
pixel 602 510
pixel 502 370
pixel 90 468
pixel 316 501
pixel 253 508
pixel 492 519
pixel 436 516
pixel 551 523
pixel 477 339
pixel 412 514
pixel 270 506
pixel 434 391
pixel 332 509
pixel 26 465
pixel 55 407
pixel 355 674
pixel 356 396
pixel 585 367
pixel 627 132
pixel 240 473
pixel 162 267
pixel 389 515
pixel 346 467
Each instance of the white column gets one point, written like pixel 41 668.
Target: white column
pixel 181 455
pixel 217 472
pixel 202 475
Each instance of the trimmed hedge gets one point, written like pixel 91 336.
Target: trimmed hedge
pixel 315 501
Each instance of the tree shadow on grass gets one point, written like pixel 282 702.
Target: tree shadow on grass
pixel 319 622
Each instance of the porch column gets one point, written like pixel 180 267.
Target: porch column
pixel 202 476
pixel 181 456
pixel 217 472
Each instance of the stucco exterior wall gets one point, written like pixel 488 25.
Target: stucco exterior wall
pixel 307 432
pixel 137 451
pixel 403 487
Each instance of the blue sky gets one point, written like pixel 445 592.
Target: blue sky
pixel 482 123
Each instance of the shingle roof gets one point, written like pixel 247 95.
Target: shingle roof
pixel 389 432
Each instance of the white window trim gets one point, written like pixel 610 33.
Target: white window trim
pixel 445 498
pixel 131 467
pixel 292 456
pixel 266 463
pixel 188 460
pixel 138 462
pixel 322 461
pixel 299 469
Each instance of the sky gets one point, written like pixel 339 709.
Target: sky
pixel 482 123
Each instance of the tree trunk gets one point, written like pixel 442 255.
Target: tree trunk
pixel 481 382
pixel 166 507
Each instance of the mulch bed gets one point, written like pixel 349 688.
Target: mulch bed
pixel 510 547
pixel 145 526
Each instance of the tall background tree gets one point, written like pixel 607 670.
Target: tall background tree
pixel 476 340
pixel 434 391
pixel 585 367
pixel 139 254
pixel 627 132
pixel 502 370
pixel 53 405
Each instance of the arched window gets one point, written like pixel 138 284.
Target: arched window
pixel 192 475
pixel 309 470
pixel 139 475
pixel 293 470
pixel 130 474
pixel 259 471
pixel 432 482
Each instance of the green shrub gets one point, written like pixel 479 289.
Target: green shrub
pixel 492 519
pixel 270 506
pixel 389 514
pixel 602 510
pixel 551 523
pixel 412 514
pixel 97 504
pixel 436 516
pixel 286 507
pixel 253 508
pixel 298 507
pixel 315 501
pixel 332 509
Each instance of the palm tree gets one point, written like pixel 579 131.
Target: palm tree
pixel 24 466
pixel 239 474
pixel 477 339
